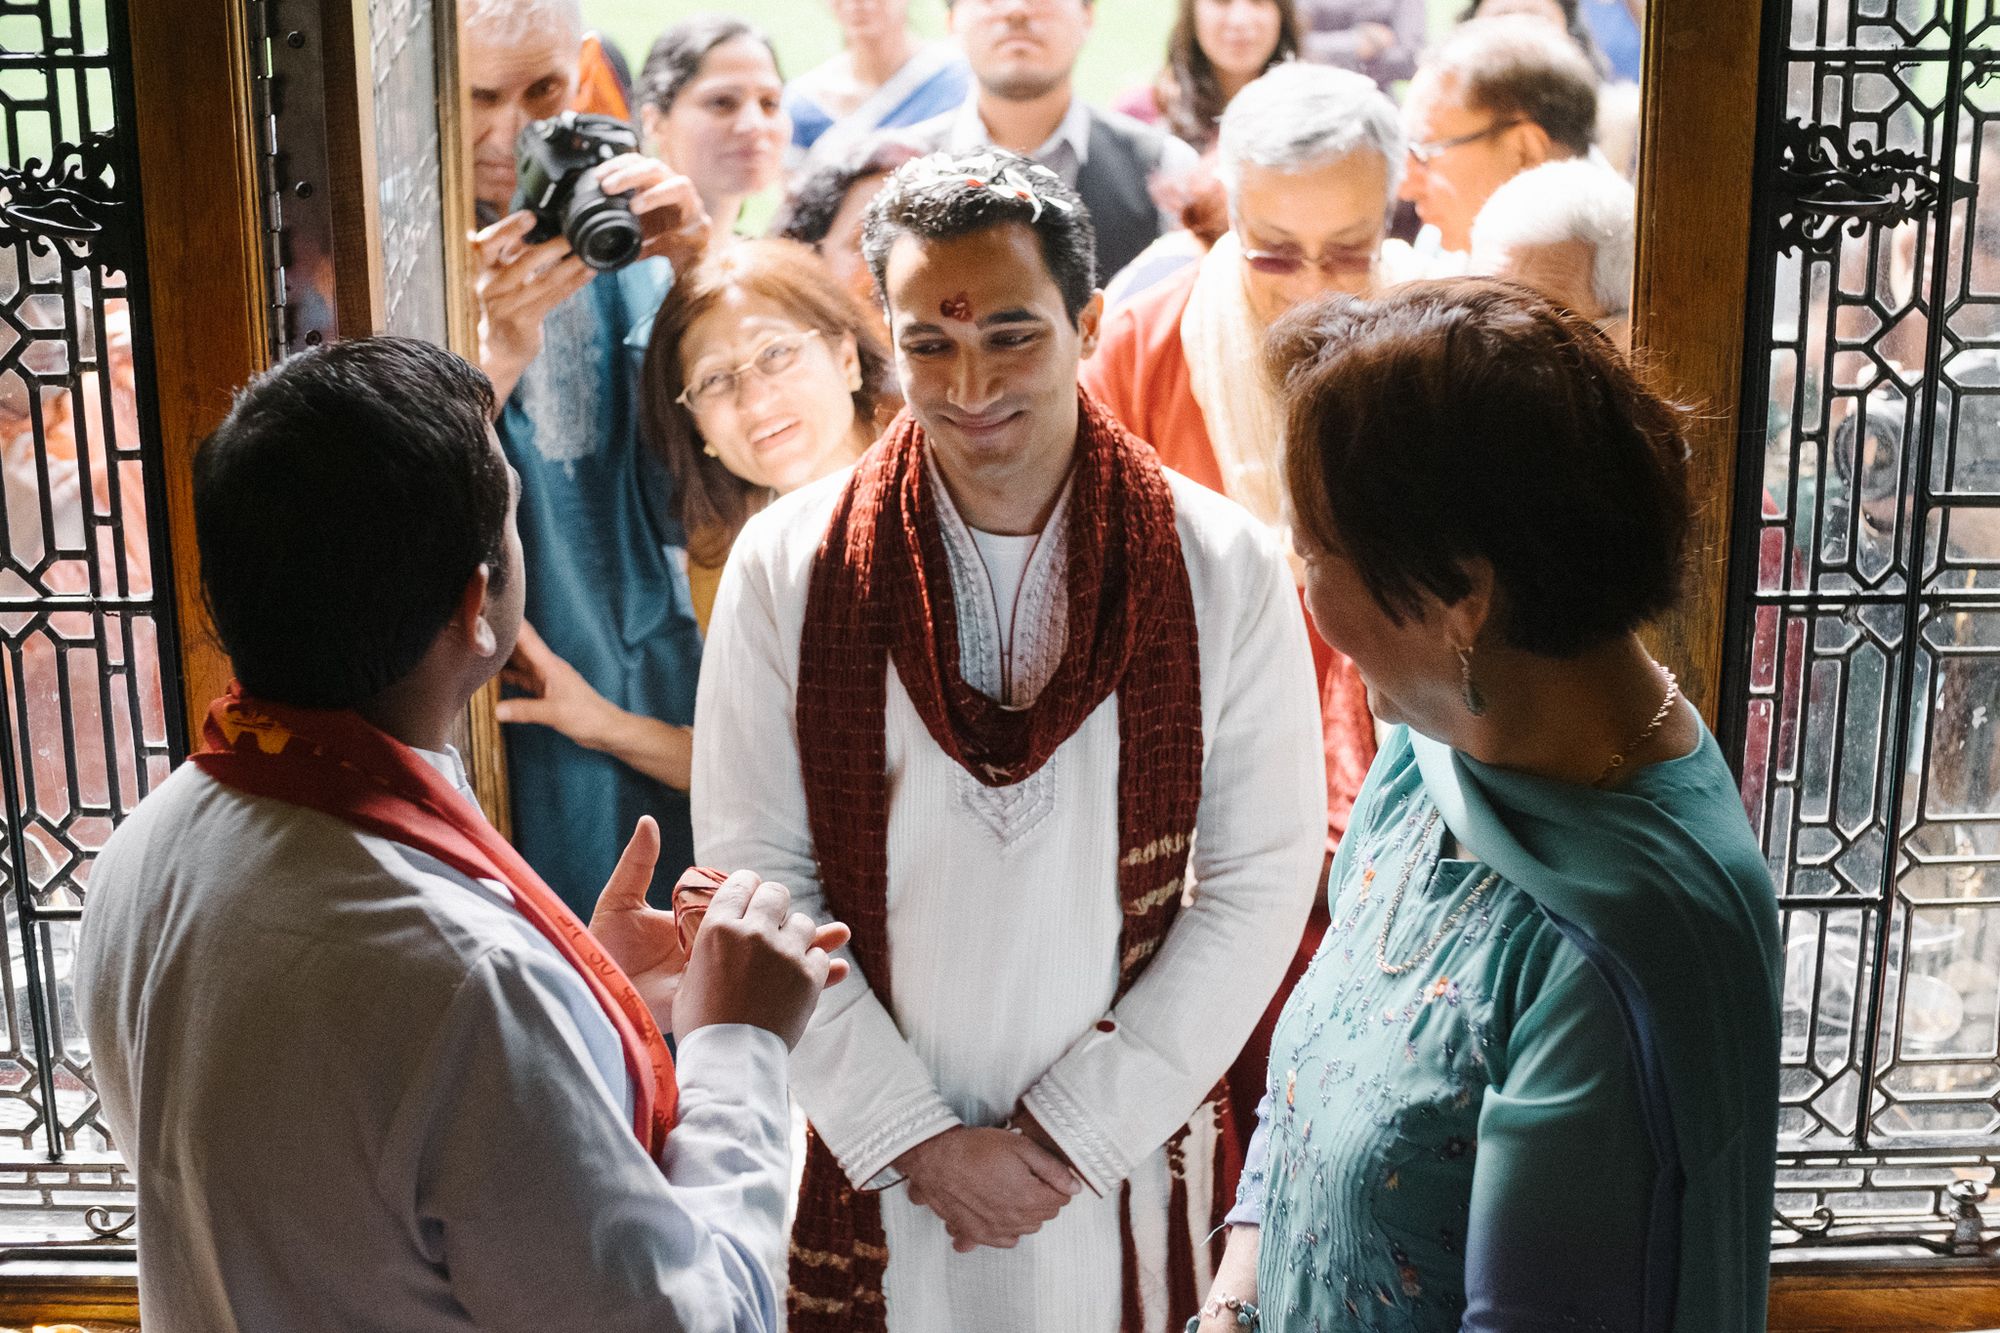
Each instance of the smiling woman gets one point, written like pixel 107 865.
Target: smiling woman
pixel 711 107
pixel 762 374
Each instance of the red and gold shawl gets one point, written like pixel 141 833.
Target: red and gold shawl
pixel 881 590
pixel 336 763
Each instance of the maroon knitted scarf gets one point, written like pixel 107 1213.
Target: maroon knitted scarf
pixel 881 588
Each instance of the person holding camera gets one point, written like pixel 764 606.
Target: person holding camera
pixel 581 237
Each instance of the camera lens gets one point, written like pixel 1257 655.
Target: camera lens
pixel 601 229
pixel 607 238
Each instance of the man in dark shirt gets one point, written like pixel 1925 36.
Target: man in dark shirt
pixel 1023 62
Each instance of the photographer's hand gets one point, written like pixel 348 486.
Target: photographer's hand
pixel 517 286
pixel 670 213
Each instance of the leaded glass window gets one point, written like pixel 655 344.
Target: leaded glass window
pixel 86 648
pixel 1865 699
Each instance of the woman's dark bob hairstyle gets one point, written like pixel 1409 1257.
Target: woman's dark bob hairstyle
pixel 1444 423
pixel 677 56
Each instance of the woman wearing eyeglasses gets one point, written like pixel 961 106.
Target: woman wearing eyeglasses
pixel 1309 158
pixel 762 374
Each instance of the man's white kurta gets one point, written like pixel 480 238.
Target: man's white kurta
pixel 1003 909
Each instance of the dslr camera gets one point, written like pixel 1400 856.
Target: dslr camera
pixel 556 161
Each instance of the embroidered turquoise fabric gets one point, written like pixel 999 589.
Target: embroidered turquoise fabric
pixel 1565 1117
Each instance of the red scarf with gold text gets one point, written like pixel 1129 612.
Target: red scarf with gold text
pixel 337 764
pixel 881 590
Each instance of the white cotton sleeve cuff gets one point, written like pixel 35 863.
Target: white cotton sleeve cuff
pixel 867 1162
pixel 737 1063
pixel 1090 1151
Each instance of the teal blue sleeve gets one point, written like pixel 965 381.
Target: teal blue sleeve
pixel 1565 1177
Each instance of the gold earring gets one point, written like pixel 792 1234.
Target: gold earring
pixel 709 449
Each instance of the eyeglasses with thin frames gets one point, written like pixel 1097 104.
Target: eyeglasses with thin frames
pixel 1335 261
pixel 1427 152
pixel 773 359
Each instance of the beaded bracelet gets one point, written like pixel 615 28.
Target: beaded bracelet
pixel 1245 1312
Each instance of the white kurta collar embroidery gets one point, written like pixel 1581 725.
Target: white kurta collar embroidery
pixel 1041 620
pixel 1041 630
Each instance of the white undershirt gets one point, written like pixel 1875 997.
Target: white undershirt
pixel 1006 560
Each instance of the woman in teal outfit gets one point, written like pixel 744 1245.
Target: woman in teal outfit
pixel 1530 1081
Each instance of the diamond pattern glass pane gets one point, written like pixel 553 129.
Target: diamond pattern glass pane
pixel 84 725
pixel 1866 704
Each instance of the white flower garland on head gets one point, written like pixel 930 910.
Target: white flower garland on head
pixel 1006 177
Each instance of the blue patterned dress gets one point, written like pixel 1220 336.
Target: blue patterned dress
pixel 1555 1107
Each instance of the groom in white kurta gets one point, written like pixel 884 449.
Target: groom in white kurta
pixel 1016 1000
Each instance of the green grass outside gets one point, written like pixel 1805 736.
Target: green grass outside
pixel 1126 48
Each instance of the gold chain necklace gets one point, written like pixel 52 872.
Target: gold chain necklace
pixel 1652 729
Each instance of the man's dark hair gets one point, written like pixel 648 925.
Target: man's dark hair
pixel 809 211
pixel 1443 423
pixel 1522 68
pixel 945 195
pixel 340 510
pixel 676 56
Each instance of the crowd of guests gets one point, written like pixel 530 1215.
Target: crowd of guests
pixel 1244 181
pixel 1254 174
pixel 1181 619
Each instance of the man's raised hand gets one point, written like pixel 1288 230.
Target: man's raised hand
pixel 758 962
pixel 670 213
pixel 517 285
pixel 639 938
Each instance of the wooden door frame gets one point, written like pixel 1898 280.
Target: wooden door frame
pixel 210 324
pixel 1691 281
pixel 205 247
pixel 209 307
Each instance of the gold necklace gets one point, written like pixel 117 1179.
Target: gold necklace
pixel 1652 729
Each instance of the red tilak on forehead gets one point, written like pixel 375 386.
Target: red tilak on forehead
pixel 958 307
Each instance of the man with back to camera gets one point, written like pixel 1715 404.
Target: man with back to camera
pixel 1023 55
pixel 1494 98
pixel 606 592
pixel 369 1072
pixel 1013 686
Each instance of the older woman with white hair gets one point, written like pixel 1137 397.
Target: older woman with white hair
pixel 1566 230
pixel 1310 158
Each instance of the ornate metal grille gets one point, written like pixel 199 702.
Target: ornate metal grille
pixel 1864 702
pixel 86 639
